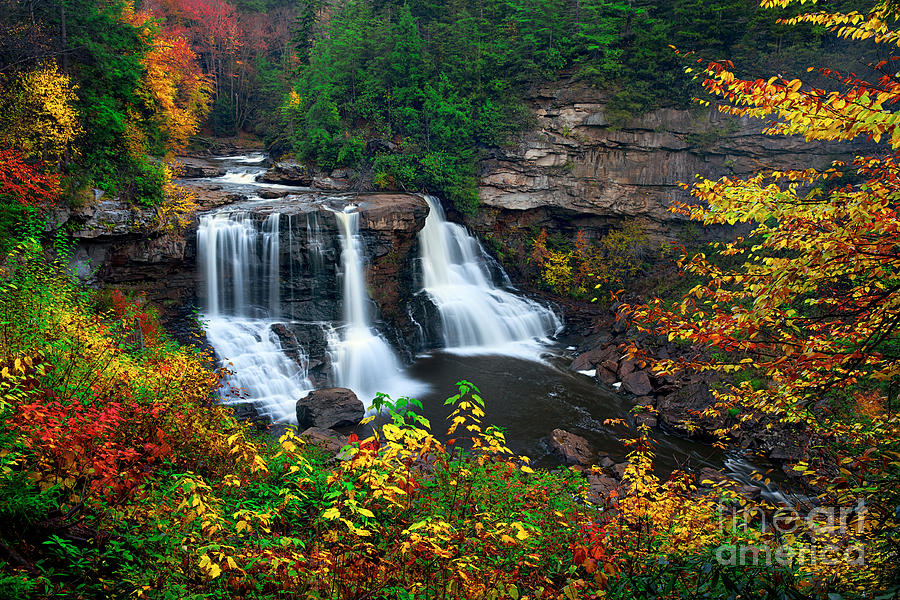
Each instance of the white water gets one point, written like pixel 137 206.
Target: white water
pixel 244 159
pixel 241 267
pixel 361 358
pixel 476 316
pixel 240 176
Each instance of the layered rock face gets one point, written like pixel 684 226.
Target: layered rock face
pixel 118 244
pixel 302 287
pixel 310 246
pixel 576 170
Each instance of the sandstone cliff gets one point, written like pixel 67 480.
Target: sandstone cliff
pixel 576 169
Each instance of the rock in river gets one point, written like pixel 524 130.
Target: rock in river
pixel 573 448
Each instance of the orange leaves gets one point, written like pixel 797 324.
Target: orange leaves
pixel 174 88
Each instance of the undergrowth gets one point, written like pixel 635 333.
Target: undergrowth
pixel 121 477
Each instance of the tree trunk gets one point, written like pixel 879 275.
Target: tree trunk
pixel 64 42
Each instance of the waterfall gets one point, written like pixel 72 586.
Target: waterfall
pixel 476 316
pixel 315 242
pixel 240 261
pixel 361 358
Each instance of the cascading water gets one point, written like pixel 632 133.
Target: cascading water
pixel 239 257
pixel 362 359
pixel 476 316
pixel 240 262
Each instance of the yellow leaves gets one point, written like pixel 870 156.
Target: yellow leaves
pixel 456 422
pixel 521 532
pixel 331 513
pixel 37 112
pixel 212 569
pixel 174 89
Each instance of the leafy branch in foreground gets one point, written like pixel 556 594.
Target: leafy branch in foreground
pixel 814 305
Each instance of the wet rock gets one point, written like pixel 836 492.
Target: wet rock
pixel 638 383
pixel 601 484
pixel 606 462
pixel 686 404
pixel 195 172
pixel 328 408
pixel 573 448
pixel 784 447
pixel 328 439
pixel 606 375
pixel 748 491
pixel 591 358
pixel 618 470
pixel 289 172
pixel 271 194
pixel 193 168
pixel 626 367
pixel 307 345
pixel 710 475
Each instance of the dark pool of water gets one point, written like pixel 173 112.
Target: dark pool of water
pixel 528 400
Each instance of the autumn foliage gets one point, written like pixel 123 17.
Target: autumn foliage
pixel 24 183
pixel 586 268
pixel 123 477
pixel 813 306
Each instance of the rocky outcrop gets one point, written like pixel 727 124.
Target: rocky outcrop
pixel 579 166
pixel 122 245
pixel 328 408
pixel 119 244
pixel 575 170
pixel 677 402
pixel 288 172
pixel 195 168
pixel 310 244
pixel 310 268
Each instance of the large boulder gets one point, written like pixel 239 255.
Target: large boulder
pixel 288 172
pixel 329 408
pixel 574 449
pixel 591 358
pixel 637 382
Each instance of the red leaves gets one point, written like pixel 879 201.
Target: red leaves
pixel 26 184
pixel 98 443
pixel 131 312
